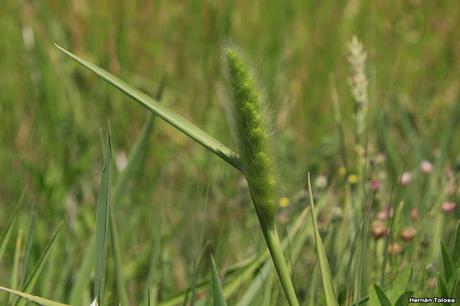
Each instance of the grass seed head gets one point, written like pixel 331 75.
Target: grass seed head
pixel 252 136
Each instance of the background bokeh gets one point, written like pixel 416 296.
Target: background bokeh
pixel 54 114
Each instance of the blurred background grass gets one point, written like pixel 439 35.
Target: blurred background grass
pixel 52 111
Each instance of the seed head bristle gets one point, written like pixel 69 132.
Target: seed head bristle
pixel 252 136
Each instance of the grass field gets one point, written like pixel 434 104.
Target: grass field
pixel 104 199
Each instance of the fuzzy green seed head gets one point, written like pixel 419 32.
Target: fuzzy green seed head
pixel 252 137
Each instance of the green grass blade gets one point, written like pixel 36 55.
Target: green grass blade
pixel 196 272
pixel 442 287
pixel 17 256
pixel 377 296
pixel 33 277
pixel 84 273
pixel 153 277
pixel 136 153
pixel 28 246
pixel 400 284
pixel 121 288
pixel 456 251
pixel 33 298
pixel 217 291
pixel 164 113
pixel 5 237
pixel 102 222
pixel 404 298
pixel 326 275
pixel 296 237
pixel 134 158
pixel 446 263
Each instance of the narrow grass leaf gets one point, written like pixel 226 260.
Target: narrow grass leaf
pixel 446 263
pixel 443 287
pixel 102 221
pixel 404 298
pixel 217 291
pixel 135 154
pixel 154 271
pixel 34 275
pixel 378 297
pixel 196 272
pixel 400 284
pixel 121 288
pixel 32 298
pixel 6 234
pixel 296 237
pixel 134 161
pixel 28 245
pixel 456 252
pixel 83 275
pixel 17 256
pixel 326 275
pixel 163 112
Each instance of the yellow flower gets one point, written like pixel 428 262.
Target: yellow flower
pixel 342 171
pixel 352 179
pixel 284 201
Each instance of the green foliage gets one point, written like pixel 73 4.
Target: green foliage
pixel 325 271
pixel 102 226
pixel 32 298
pixel 216 287
pixel 404 110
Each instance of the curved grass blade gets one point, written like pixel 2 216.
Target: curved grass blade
pixel 102 224
pixel 33 277
pixel 456 251
pixel 326 276
pixel 163 112
pixel 32 298
pixel 217 291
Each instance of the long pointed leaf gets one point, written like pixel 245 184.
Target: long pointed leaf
pixel 102 222
pixel 84 273
pixel 135 156
pixel 217 291
pixel 326 276
pixel 33 277
pixel 378 297
pixel 33 298
pixel 399 284
pixel 447 263
pixel 164 113
pixel 4 238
